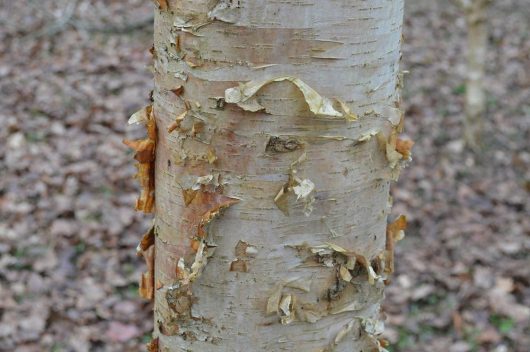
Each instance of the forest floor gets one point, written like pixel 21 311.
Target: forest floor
pixel 71 72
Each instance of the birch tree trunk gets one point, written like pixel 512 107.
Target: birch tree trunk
pixel 277 140
pixel 477 40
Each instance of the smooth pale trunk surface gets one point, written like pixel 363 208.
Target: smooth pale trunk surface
pixel 477 39
pixel 348 49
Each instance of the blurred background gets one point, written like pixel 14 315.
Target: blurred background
pixel 71 73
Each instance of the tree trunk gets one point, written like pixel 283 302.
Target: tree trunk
pixel 277 142
pixel 477 40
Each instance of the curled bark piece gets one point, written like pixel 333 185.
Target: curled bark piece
pixel 188 195
pixel 176 124
pixel 177 90
pixel 303 189
pixel 162 4
pixel 204 207
pixel 216 203
pixel 404 147
pixel 368 135
pixel 286 309
pixel 343 332
pixel 153 345
pixel 373 328
pixel 239 265
pixel 273 303
pixel 244 96
pixel 243 253
pixel 146 249
pixel 361 259
pixel 225 11
pixel 394 233
pixel 349 115
pixel 145 155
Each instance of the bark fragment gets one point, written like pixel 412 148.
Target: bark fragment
pixel 162 4
pixel 302 188
pixel 244 96
pixel 243 253
pixel 329 248
pixel 146 249
pixel 225 11
pixel 145 155
pixel 404 147
pixel 204 203
pixel 349 115
pixel 178 120
pixel 394 233
pixel 177 90
pixel 153 345
pixel 239 265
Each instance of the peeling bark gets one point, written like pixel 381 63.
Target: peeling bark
pixel 145 156
pixel 271 194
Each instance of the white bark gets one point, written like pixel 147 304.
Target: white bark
pixel 302 178
pixel 477 40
